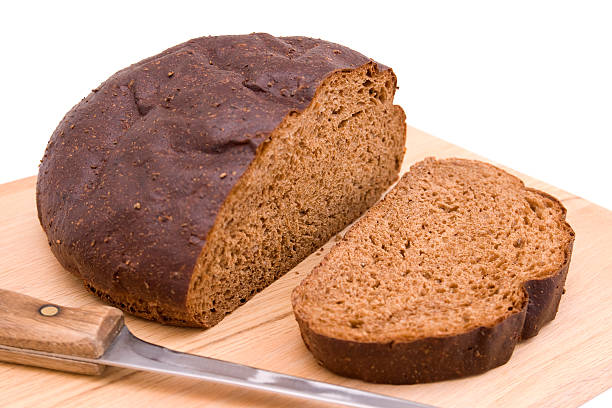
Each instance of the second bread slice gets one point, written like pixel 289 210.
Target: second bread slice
pixel 440 279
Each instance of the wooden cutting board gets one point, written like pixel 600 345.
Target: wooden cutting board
pixel 568 363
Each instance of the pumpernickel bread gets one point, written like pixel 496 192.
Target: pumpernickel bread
pixel 438 280
pixel 189 181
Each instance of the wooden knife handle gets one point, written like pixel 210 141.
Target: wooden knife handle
pixel 27 324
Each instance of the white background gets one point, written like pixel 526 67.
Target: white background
pixel 525 83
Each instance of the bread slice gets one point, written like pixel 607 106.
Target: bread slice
pixel 438 280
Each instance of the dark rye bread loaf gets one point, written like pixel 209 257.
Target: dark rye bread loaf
pixel 440 279
pixel 189 181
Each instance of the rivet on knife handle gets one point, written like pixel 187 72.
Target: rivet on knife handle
pixel 27 323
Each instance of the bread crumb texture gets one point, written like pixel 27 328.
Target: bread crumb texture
pixel 447 251
pixel 320 171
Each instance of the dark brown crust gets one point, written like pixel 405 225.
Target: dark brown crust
pixel 545 294
pixel 134 175
pixel 420 361
pixel 444 358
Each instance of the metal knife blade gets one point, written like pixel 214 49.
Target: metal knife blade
pixel 85 340
pixel 128 351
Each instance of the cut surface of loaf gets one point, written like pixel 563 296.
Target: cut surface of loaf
pixel 320 171
pixel 438 280
pixel 188 182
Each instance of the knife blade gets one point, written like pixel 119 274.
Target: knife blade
pixel 87 339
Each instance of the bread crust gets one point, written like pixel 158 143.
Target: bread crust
pixel 135 174
pixel 447 357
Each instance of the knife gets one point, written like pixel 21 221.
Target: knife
pixel 85 340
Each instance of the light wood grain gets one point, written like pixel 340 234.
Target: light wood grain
pixel 85 332
pixel 27 323
pixel 568 363
pixel 18 356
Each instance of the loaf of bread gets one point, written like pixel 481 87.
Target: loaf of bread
pixel 438 280
pixel 189 181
